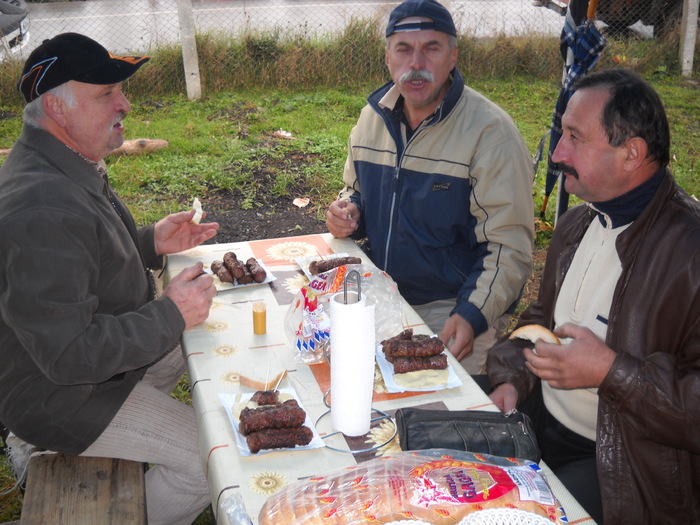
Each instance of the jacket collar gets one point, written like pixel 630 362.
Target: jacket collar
pixel 626 208
pixel 67 161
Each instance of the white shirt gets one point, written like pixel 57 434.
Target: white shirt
pixel 585 299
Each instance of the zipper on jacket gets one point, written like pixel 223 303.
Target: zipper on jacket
pixel 391 218
pixel 397 169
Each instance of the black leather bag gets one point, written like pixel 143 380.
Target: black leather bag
pixel 495 433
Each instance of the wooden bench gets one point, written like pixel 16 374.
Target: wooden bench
pixel 78 490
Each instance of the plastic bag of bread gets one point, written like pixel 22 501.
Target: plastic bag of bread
pixel 436 486
pixel 308 318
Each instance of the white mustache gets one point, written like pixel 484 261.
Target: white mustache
pixel 413 74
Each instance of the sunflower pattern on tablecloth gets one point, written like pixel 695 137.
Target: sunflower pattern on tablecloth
pixel 381 434
pixel 232 376
pixel 225 350
pixel 216 326
pixel 288 251
pixel 267 482
pixel 295 283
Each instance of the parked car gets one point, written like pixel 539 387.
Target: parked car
pixel 14 26
pixel 618 15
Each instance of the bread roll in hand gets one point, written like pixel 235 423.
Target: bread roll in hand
pixel 533 332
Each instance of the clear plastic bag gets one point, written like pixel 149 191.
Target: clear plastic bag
pixel 438 486
pixel 307 321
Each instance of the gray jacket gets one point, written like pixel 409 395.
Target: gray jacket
pixel 78 325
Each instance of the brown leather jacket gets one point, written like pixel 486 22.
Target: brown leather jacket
pixel 648 435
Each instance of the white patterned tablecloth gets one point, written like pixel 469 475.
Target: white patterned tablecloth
pixel 219 349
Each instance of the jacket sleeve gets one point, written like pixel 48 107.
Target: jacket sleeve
pixel 656 396
pixel 79 322
pixel 505 361
pixel 148 247
pixel 501 203
pixel 653 386
pixel 351 192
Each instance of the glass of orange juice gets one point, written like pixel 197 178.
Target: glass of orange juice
pixel 259 317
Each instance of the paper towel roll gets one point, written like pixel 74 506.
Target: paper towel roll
pixel 352 364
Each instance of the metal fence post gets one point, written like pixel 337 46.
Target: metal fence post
pixel 689 27
pixel 190 61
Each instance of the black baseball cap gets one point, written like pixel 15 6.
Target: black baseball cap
pixel 441 18
pixel 72 56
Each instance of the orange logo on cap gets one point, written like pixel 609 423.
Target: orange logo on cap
pixel 131 60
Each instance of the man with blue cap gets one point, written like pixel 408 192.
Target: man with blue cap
pixel 439 182
pixel 90 353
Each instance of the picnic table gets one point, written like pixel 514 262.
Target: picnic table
pixel 221 347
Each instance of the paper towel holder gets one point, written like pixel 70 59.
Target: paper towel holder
pixel 382 415
pixel 356 275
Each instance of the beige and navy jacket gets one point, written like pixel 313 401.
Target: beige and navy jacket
pixel 447 213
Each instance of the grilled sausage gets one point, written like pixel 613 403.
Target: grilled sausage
pixel 278 438
pixel 285 415
pixel 256 270
pixel 233 265
pixel 316 267
pixel 403 365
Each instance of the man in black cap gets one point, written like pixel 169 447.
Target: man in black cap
pixel 90 354
pixel 439 182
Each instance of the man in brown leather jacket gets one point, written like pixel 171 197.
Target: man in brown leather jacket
pixel 616 404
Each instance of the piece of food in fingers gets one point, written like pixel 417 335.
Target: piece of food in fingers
pixel 533 332
pixel 198 211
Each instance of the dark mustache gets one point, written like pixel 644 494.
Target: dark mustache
pixel 565 168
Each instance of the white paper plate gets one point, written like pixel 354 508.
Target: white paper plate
pixel 504 516
pixel 229 400
pixel 220 286
pixel 304 262
pixel 387 370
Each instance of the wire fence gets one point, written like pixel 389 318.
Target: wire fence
pixel 245 33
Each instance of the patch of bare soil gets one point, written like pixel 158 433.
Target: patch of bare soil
pixel 266 215
pixel 276 217
pixel 269 215
pixel 257 210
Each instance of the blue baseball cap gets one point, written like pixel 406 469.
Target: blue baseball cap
pixel 441 19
